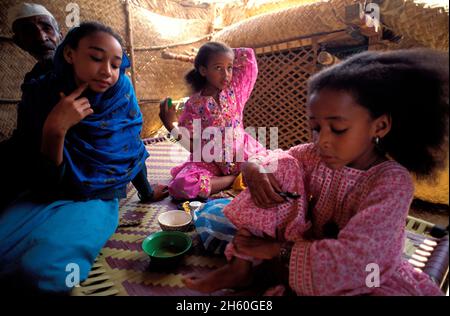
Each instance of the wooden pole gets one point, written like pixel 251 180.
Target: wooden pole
pixel 211 28
pixel 130 44
pixel 180 57
pixel 206 37
pixel 325 58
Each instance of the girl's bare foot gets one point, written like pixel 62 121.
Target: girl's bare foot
pixel 234 274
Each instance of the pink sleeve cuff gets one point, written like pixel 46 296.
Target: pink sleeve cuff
pixel 300 272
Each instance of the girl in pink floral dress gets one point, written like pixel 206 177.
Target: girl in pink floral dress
pixel 223 79
pixel 376 118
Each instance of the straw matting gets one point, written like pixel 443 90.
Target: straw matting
pixel 156 77
pixel 176 8
pixel 413 20
pixel 234 13
pixel 8 115
pixel 150 113
pixel 279 97
pixel 417 21
pixel 287 24
pixel 14 64
pixel 123 268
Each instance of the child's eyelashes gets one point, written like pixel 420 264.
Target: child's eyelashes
pixel 96 59
pixel 339 131
pixel 334 130
pixel 220 68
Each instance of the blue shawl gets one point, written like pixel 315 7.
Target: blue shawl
pixel 104 151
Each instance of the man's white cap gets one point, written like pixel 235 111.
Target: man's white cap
pixel 26 10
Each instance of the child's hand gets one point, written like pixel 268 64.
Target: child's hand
pixel 167 114
pixel 263 186
pixel 259 248
pixel 68 111
pixel 160 192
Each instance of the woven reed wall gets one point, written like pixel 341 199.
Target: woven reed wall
pixel 414 20
pixel 279 97
pixel 14 64
pixel 8 115
pixel 176 9
pixel 234 12
pixel 418 22
pixel 284 25
pixel 156 78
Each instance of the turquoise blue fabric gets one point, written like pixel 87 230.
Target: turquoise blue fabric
pixel 214 229
pixel 104 151
pixel 40 242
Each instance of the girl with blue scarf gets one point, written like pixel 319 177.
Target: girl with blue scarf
pixel 81 127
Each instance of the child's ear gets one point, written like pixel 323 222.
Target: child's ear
pixel 68 54
pixel 202 70
pixel 383 125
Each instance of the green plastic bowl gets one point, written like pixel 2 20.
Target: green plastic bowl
pixel 166 246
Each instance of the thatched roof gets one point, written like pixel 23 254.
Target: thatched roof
pixel 416 22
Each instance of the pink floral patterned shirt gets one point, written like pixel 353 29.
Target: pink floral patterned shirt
pixel 370 208
pixel 228 113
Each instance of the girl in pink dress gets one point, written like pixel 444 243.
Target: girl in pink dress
pixel 222 80
pixel 376 118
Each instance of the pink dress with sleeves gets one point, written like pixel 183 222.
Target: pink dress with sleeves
pixel 193 178
pixel 368 209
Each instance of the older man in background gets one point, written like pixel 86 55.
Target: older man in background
pixel 36 31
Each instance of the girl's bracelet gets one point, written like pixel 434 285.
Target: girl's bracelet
pixel 285 252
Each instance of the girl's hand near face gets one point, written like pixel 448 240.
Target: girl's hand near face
pixel 68 112
pixel 263 186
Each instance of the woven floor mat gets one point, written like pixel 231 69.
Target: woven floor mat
pixel 122 268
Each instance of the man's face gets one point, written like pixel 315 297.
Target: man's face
pixel 38 35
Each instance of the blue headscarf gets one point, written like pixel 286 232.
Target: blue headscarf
pixel 104 151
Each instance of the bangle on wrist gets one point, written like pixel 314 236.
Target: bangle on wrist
pixel 285 252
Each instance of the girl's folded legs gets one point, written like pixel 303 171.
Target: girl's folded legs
pixel 221 183
pixel 192 184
